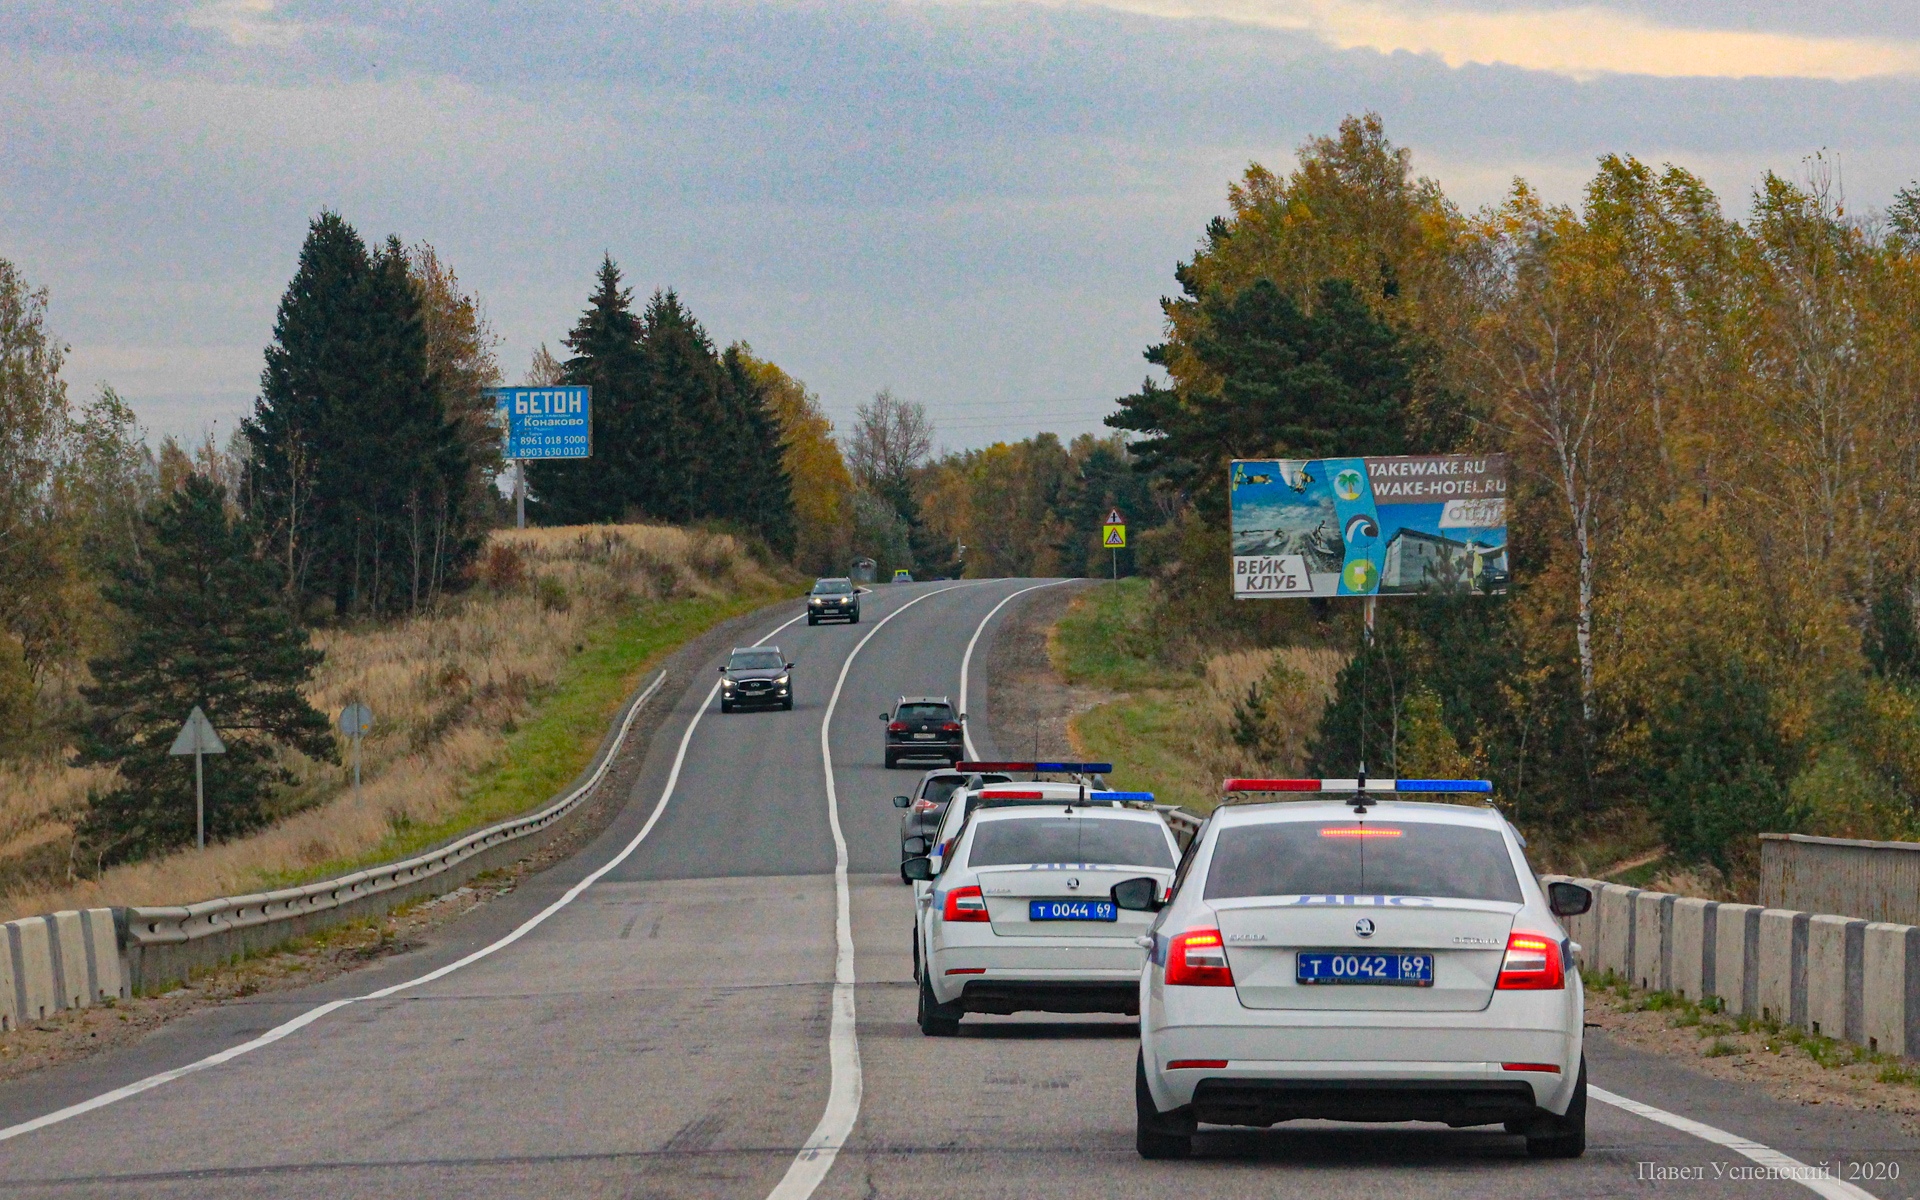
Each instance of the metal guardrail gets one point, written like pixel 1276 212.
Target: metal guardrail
pixel 179 924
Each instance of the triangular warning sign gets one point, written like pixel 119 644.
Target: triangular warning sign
pixel 1115 537
pixel 1114 517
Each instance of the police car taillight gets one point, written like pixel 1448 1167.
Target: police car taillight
pixel 964 904
pixel 1532 964
pixel 1198 958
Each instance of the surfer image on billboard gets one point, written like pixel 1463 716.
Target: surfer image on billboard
pixel 1368 526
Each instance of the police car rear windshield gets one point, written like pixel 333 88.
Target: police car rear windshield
pixel 1069 840
pixel 832 587
pixel 1312 858
pixel 940 788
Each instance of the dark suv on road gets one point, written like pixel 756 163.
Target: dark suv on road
pixel 924 727
pixel 756 675
pixel 833 600
pixel 924 810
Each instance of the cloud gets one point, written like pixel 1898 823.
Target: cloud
pixel 1582 43
pixel 247 23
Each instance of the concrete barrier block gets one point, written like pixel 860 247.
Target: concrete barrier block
pixel 1835 950
pixel 1890 988
pixel 103 955
pixel 1652 941
pixel 73 984
pixel 1736 957
pixel 1614 939
pixel 1783 965
pixel 1693 958
pixel 9 992
pixel 30 943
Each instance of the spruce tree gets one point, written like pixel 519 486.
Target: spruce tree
pixel 607 357
pixel 693 458
pixel 760 493
pixel 204 627
pixel 359 478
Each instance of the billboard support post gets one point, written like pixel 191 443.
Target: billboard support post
pixel 519 493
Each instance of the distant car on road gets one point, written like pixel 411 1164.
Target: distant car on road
pixel 902 575
pixel 924 727
pixel 1021 918
pixel 835 600
pixel 928 804
pixel 1399 963
pixel 756 676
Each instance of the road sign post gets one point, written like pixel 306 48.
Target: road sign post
pixel 542 422
pixel 197 738
pixel 356 719
pixel 1113 536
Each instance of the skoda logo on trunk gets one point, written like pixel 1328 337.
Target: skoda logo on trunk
pixel 1364 927
pixel 1073 884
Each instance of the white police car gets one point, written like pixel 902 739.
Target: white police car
pixel 1020 916
pixel 1359 960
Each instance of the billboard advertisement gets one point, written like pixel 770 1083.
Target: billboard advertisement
pixel 545 422
pixel 1368 526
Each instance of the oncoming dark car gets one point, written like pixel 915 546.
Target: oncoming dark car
pixel 756 675
pixel 833 600
pixel 924 727
pixel 929 803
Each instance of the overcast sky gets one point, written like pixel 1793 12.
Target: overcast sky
pixel 975 204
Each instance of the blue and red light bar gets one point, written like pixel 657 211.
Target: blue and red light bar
pixel 1353 785
pixel 1061 768
pixel 1147 796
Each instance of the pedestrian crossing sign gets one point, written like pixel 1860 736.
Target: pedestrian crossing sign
pixel 1113 537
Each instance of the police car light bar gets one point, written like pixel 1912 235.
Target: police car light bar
pixel 1061 768
pixel 1147 796
pixel 1353 785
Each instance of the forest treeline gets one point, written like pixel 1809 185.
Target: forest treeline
pixel 1713 427
pixel 137 582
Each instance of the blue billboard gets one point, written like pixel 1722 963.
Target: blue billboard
pixel 545 422
pixel 1368 526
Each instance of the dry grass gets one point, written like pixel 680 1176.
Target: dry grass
pixel 446 689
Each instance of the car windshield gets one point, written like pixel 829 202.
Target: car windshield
pixel 755 660
pixel 832 587
pixel 1069 840
pixel 1315 858
pixel 923 712
pixel 940 788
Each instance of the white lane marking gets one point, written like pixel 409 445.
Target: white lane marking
pixel 314 1014
pixel 1783 1167
pixel 817 1155
pixel 966 660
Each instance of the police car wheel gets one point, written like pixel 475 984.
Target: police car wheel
pixel 1157 1134
pixel 936 1019
pixel 1563 1137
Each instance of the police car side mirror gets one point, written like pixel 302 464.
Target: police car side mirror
pixel 902 801
pixel 1138 895
pixel 1568 899
pixel 918 870
pixel 915 845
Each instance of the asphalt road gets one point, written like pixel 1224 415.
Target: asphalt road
pixel 669 1032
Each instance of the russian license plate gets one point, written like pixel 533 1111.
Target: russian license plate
pixel 1399 970
pixel 1072 910
pixel 923 737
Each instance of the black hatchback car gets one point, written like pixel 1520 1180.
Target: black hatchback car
pixel 833 600
pixel 756 676
pixel 924 810
pixel 924 727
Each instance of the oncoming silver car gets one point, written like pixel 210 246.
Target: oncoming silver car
pixel 1395 963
